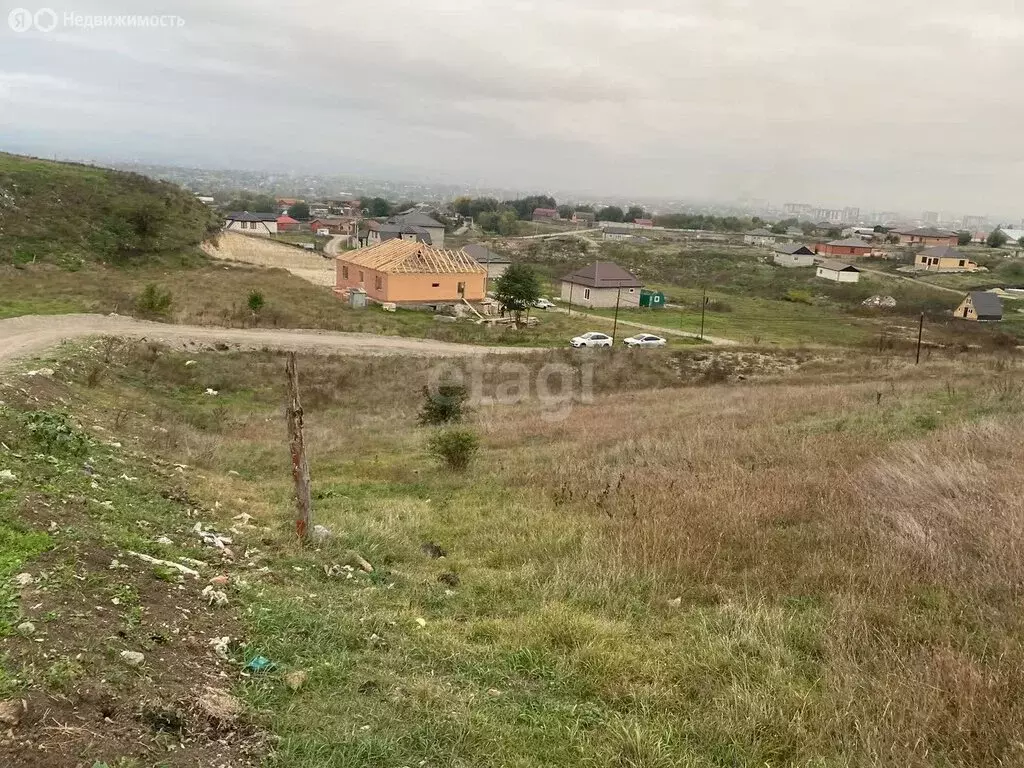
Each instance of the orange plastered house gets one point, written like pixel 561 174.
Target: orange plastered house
pixel 411 272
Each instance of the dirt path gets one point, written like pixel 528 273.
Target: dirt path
pixel 913 280
pixel 32 334
pixel 263 252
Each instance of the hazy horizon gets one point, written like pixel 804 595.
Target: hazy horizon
pixel 902 106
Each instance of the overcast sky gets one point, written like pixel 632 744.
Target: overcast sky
pixel 913 104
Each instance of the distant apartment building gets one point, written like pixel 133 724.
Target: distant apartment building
pixel 851 215
pixel 930 218
pixel 972 223
pixel 831 215
pixel 797 209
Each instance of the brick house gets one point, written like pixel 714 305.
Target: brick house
pixel 927 236
pixel 853 246
pixel 942 258
pixel 602 284
pixel 411 272
pixel 545 214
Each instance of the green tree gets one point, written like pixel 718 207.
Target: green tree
pixel 299 211
pixel 517 290
pixel 566 211
pixel 963 238
pixel 778 228
pixel 881 230
pixel 1020 242
pixel 996 239
pixel 610 213
pixel 525 206
pixel 635 212
pixel 248 201
pixel 377 206
pixel 255 301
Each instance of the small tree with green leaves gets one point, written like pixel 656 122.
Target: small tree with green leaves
pixel 154 301
pixel 517 290
pixel 255 301
pixel 963 238
pixel 299 211
pixel 444 404
pixel 455 448
pixel 996 239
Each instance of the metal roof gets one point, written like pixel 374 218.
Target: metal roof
pixel 943 252
pixel 837 266
pixel 986 304
pixel 850 242
pixel 794 249
pixel 485 255
pixel 603 274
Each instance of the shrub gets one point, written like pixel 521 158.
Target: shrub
pixel 255 301
pixel 455 447
pixel 54 431
pixel 445 405
pixel 798 296
pixel 153 301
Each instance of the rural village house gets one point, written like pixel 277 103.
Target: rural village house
pixel 853 246
pixel 251 223
pixel 601 284
pixel 980 306
pixel 838 272
pixel 942 258
pixel 761 237
pixel 545 214
pixel 584 217
pixel 644 223
pixel 367 233
pixel 927 236
pixel 286 223
pixel 410 226
pixel 494 263
pixel 793 255
pixel 411 272
pixel 617 233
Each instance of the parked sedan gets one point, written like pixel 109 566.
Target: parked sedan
pixel 644 340
pixel 591 339
pixel 543 304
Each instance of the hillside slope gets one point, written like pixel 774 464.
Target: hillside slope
pixel 69 213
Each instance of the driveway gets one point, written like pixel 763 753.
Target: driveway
pixel 33 334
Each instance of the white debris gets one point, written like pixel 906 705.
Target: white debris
pixel 245 518
pixel 422 622
pixel 165 541
pixel 321 533
pixel 189 363
pixel 211 391
pixel 210 538
pixel 40 372
pixel 27 628
pixel 220 646
pixel 167 564
pixel 6 476
pixel 215 596
pixel 117 565
pixel 24 580
pixel 132 658
pixel 675 602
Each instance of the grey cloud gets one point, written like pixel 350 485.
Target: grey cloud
pixel 899 103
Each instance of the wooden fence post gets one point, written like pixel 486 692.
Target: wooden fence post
pixel 300 469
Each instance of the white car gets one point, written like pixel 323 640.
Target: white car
pixel 543 304
pixel 591 339
pixel 644 340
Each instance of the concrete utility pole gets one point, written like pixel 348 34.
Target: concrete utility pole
pixel 703 306
pixel 615 321
pixel 920 334
pixel 300 468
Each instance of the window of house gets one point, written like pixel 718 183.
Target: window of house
pixel 586 293
pixel 344 273
pixel 435 285
pixel 361 278
pixel 461 289
pixel 961 262
pixel 245 225
pixel 379 283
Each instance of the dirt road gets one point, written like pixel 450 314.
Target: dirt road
pixel 657 330
pixel 32 334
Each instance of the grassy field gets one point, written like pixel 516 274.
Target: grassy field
pixel 815 568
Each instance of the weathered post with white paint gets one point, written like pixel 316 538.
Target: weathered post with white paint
pixel 300 469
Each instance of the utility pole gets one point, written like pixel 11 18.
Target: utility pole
pixel 615 322
pixel 570 298
pixel 300 468
pixel 703 306
pixel 920 334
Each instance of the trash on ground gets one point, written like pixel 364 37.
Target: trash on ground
pixel 260 664
pixel 132 658
pixel 167 563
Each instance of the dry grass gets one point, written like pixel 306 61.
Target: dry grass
pixel 818 568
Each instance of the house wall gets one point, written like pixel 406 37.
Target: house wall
pixel 918 240
pixel 966 310
pixel 794 260
pixel 494 271
pixel 839 277
pixel 845 250
pixel 410 288
pixel 436 236
pixel 594 298
pixel 252 227
pixel 943 264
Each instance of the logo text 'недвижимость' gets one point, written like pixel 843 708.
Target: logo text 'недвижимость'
pixel 47 20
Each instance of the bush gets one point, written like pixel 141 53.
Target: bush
pixel 55 432
pixel 255 301
pixel 798 296
pixel 445 405
pixel 153 301
pixel 455 448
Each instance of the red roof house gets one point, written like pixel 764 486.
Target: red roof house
pixel 545 214
pixel 644 222
pixel 851 247
pixel 286 224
